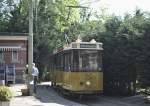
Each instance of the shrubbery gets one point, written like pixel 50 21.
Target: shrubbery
pixel 5 93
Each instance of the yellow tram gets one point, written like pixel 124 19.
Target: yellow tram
pixel 77 68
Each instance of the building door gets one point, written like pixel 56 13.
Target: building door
pixel 10 74
pixel 2 73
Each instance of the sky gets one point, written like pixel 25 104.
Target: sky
pixel 119 7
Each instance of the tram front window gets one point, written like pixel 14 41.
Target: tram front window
pixel 89 60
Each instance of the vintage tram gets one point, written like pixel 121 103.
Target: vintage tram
pixel 77 68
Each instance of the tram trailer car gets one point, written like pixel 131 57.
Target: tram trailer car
pixel 77 69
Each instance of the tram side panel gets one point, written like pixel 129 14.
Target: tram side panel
pixel 83 81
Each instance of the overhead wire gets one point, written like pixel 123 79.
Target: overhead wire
pixel 90 2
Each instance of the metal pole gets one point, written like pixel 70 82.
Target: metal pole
pixel 30 43
pixel 30 40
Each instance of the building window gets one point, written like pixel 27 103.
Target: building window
pixel 1 56
pixel 14 56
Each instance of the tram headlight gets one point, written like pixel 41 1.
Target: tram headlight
pixel 88 83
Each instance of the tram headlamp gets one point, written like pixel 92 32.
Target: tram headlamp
pixel 88 83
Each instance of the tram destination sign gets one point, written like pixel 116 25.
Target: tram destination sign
pixel 87 45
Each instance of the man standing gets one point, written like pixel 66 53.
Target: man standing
pixel 35 73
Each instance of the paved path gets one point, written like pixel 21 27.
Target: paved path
pixel 46 96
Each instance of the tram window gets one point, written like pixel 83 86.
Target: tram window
pixel 61 62
pixel 88 60
pixel 57 62
pixel 99 59
pixel 54 61
pixel 75 60
pixel 93 63
pixel 85 62
pixel 67 62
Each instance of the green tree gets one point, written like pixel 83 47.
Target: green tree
pixel 52 21
pixel 125 40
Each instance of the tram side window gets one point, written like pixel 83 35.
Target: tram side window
pixel 55 62
pixel 99 61
pixel 51 62
pixel 67 62
pixel 75 60
pixel 59 63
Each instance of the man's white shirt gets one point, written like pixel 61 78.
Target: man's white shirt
pixel 35 71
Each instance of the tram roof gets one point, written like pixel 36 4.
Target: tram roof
pixel 92 45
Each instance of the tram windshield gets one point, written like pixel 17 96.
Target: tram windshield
pixel 87 60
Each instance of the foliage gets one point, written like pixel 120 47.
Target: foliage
pixel 126 52
pixel 18 21
pixel 125 40
pixel 51 22
pixel 5 93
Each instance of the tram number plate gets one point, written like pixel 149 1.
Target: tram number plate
pixel 87 45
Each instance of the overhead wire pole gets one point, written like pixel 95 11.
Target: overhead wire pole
pixel 30 41
pixel 79 6
pixel 74 7
pixel 70 7
pixel 36 19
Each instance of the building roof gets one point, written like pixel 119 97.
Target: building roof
pixel 13 38
pixel 12 34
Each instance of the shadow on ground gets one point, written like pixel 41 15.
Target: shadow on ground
pixel 46 94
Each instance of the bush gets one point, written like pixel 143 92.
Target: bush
pixel 5 93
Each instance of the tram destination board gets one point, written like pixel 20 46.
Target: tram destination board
pixel 87 45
